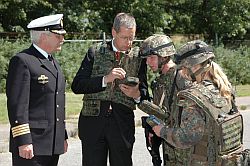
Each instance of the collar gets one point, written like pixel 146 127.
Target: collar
pixel 44 53
pixel 114 48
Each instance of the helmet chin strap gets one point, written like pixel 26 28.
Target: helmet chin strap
pixel 192 75
pixel 161 62
pixel 204 68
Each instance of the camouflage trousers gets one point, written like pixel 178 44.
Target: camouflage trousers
pixel 175 157
pixel 182 157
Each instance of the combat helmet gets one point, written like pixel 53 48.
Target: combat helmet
pixel 157 44
pixel 193 53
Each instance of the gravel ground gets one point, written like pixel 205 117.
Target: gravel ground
pixel 73 156
pixel 141 156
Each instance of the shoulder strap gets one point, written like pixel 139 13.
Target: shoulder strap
pixel 202 101
pixel 170 100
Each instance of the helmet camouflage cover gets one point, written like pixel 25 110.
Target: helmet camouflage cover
pixel 193 53
pixel 160 45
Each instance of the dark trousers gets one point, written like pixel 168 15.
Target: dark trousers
pixel 35 161
pixel 104 140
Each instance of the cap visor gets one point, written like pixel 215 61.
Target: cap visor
pixel 59 32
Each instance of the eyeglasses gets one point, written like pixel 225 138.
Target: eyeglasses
pixel 131 38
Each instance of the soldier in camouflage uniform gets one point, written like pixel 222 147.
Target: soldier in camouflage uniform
pixel 159 51
pixel 112 78
pixel 210 124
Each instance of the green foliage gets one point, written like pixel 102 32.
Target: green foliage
pixel 235 63
pixel 73 106
pixel 151 18
pixel 218 20
pixel 70 59
pixel 230 18
pixel 7 50
pixel 15 14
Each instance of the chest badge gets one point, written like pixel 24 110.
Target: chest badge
pixel 43 79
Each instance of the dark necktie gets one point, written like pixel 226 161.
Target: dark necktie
pixel 117 55
pixel 51 59
pixel 117 58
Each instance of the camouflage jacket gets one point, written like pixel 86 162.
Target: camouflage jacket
pixel 104 62
pixel 161 89
pixel 210 140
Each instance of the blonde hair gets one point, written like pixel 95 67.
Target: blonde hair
pixel 221 80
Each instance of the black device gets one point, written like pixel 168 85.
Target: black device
pixel 132 81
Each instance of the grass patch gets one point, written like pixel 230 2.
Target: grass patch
pixel 74 103
pixel 242 90
pixel 243 107
pixel 73 106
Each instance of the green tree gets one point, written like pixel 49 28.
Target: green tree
pixel 151 17
pixel 7 50
pixel 217 19
pixel 235 63
pixel 15 14
pixel 222 19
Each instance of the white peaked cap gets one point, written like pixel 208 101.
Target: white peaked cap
pixel 52 23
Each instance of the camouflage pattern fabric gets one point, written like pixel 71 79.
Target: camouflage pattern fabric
pixel 202 132
pixel 104 62
pixel 150 108
pixel 160 45
pixel 163 84
pixel 193 53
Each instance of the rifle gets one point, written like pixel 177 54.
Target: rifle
pixel 152 109
pixel 154 144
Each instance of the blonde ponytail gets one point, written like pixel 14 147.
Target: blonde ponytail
pixel 221 80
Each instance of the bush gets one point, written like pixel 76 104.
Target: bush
pixel 70 59
pixel 235 62
pixel 7 50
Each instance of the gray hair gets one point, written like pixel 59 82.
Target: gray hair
pixel 35 35
pixel 125 20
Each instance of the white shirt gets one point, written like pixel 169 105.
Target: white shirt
pixel 44 53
